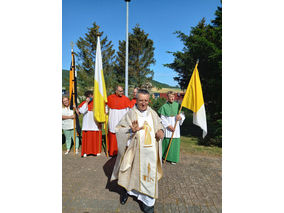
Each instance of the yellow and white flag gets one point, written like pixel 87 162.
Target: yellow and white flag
pixel 100 96
pixel 193 100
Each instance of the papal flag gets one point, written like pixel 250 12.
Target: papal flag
pixel 100 96
pixel 193 100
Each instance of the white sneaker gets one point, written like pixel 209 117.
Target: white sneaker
pixel 67 152
pixel 98 154
pixel 77 152
pixel 85 155
pixel 173 163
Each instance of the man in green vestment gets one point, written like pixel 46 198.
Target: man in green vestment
pixel 169 115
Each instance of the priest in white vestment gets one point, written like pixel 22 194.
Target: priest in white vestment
pixel 138 166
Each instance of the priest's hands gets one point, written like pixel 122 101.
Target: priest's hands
pixel 159 134
pixel 135 127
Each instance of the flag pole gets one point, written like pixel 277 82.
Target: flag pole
pixel 74 123
pixel 106 136
pixel 73 95
pixel 175 128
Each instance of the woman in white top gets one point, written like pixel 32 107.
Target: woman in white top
pixel 68 124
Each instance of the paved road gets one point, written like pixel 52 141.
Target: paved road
pixel 193 185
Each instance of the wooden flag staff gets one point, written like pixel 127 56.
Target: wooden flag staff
pixel 73 95
pixel 106 135
pixel 74 123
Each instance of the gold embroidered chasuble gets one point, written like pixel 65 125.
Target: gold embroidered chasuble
pixel 139 166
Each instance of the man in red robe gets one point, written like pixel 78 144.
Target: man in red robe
pixel 92 132
pixel 133 101
pixel 118 105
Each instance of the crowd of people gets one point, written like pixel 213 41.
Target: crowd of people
pixel 137 136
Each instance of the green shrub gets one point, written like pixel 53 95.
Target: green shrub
pixel 156 104
pixel 214 136
pixel 214 129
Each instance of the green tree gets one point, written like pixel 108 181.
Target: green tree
pixel 87 57
pixel 141 56
pixel 204 43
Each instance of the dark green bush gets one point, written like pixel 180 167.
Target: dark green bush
pixel 214 129
pixel 156 103
pixel 214 135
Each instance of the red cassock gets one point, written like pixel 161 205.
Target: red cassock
pixel 91 133
pixel 118 106
pixel 132 102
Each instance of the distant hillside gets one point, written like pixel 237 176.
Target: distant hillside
pixel 161 85
pixel 65 81
pixel 165 90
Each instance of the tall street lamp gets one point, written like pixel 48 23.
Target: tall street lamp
pixel 126 51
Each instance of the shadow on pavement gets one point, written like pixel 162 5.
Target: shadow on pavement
pixel 111 185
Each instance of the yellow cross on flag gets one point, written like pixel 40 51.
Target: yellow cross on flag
pixel 193 100
pixel 100 96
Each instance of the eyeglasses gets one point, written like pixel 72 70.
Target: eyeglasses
pixel 143 101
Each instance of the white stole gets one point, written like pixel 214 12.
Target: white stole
pixel 148 154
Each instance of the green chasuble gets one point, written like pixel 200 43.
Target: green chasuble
pixel 169 111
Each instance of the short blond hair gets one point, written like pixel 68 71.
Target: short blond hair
pixel 170 93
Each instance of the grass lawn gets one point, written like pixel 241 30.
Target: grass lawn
pixel 190 145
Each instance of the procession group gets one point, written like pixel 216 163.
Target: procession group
pixel 137 135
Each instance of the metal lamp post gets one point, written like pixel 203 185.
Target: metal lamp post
pixel 126 56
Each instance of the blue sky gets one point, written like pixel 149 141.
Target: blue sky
pixel 159 18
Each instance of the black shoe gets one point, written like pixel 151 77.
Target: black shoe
pixel 148 209
pixel 123 198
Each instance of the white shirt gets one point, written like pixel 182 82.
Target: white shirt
pixel 88 123
pixel 144 198
pixel 67 123
pixel 115 116
pixel 170 120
